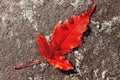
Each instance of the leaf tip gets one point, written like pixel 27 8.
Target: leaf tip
pixel 91 9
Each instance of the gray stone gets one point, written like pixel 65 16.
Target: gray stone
pixel 20 20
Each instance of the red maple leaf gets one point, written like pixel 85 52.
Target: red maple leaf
pixel 65 37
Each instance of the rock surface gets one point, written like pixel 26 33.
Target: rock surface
pixel 20 20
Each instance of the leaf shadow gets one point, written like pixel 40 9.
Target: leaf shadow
pixel 74 71
pixel 87 32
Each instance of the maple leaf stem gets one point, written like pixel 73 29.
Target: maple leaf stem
pixel 28 64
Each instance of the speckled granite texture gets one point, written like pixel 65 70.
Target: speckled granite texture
pixel 20 20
